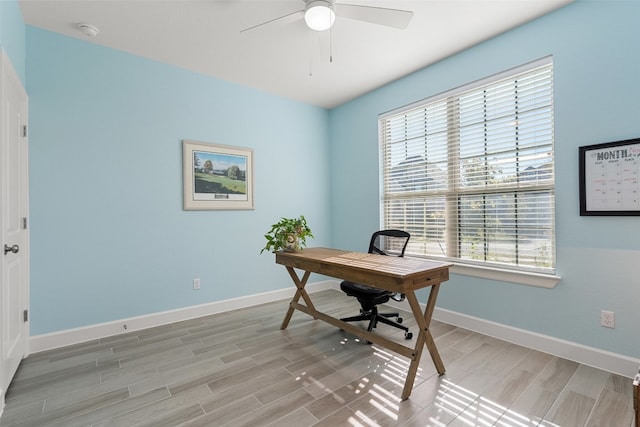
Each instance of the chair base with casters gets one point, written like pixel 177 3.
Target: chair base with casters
pixel 369 299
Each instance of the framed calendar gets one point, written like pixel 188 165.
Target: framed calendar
pixel 609 182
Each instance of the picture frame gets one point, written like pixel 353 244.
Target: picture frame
pixel 217 177
pixel 609 178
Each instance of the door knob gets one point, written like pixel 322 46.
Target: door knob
pixel 14 249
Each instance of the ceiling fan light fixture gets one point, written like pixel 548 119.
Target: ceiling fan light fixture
pixel 319 14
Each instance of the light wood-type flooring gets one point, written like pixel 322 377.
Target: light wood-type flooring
pixel 239 369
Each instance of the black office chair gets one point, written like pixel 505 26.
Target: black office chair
pixel 383 242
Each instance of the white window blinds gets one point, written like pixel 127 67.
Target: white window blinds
pixel 470 173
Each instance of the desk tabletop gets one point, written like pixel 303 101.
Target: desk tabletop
pixel 396 274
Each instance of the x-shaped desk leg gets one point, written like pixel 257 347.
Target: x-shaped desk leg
pixel 300 284
pixel 424 337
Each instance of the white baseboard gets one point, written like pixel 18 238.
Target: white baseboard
pixel 597 358
pixel 590 356
pixel 67 337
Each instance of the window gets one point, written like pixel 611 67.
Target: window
pixel 470 173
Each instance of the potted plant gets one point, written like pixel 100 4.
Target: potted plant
pixel 288 234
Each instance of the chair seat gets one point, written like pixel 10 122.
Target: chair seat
pixel 358 289
pixel 365 294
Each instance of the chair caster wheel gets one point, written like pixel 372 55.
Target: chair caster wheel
pixel 408 335
pixel 399 320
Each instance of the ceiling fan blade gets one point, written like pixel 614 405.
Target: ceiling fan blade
pixel 395 18
pixel 285 19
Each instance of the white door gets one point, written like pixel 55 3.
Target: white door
pixel 14 267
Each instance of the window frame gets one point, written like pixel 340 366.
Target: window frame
pixel 541 277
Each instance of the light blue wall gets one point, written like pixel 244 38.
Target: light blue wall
pixel 12 35
pixel 595 47
pixel 109 238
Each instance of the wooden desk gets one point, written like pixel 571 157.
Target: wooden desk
pixel 402 275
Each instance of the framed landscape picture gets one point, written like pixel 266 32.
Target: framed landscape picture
pixel 217 176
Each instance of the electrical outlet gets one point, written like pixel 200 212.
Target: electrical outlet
pixel 607 319
pixel 196 283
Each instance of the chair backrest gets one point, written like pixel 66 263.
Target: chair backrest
pixel 389 242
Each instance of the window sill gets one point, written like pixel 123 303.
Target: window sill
pixel 520 277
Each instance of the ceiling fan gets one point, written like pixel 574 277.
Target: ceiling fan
pixel 320 15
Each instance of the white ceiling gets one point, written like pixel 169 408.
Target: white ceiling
pixel 286 59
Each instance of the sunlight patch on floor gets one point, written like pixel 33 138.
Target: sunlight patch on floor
pixel 394 368
pixel 464 405
pixel 457 402
pixel 362 418
pixel 477 411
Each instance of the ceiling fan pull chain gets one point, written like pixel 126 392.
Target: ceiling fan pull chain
pixel 331 44
pixel 310 54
